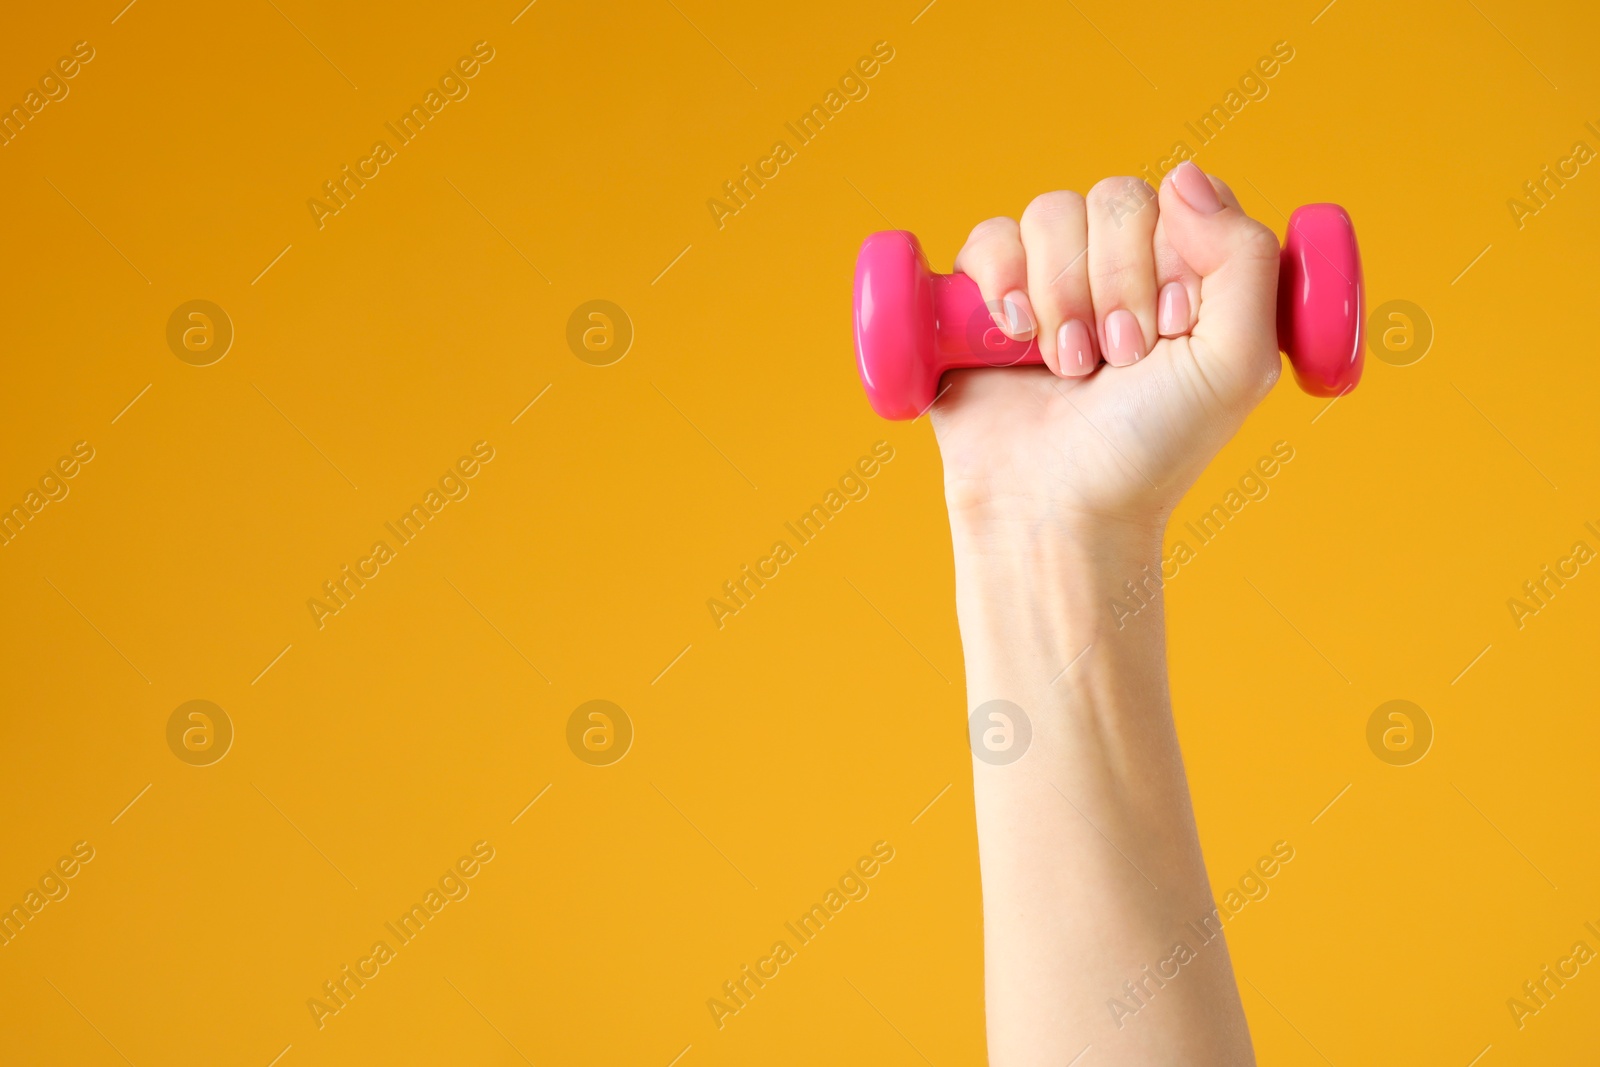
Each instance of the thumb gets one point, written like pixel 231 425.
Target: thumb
pixel 1235 338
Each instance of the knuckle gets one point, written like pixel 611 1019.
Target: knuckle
pixel 1051 300
pixel 994 255
pixel 1258 242
pixel 1127 191
pixel 991 232
pixel 1061 205
pixel 1123 202
pixel 1117 274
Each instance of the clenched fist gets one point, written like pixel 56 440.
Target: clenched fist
pixel 1155 312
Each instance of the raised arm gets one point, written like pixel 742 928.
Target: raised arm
pixel 1155 314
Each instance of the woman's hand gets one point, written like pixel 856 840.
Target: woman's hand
pixel 1156 317
pixel 1155 314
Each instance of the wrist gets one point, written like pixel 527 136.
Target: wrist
pixel 1065 548
pixel 1017 518
pixel 1030 590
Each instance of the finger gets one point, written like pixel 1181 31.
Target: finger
pixel 1122 269
pixel 1236 258
pixel 1177 284
pixel 993 258
pixel 1177 288
pixel 1055 239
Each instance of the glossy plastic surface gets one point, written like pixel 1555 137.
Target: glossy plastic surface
pixel 1320 300
pixel 895 325
pixel 912 325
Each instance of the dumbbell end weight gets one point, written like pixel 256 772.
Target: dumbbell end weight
pixel 912 325
pixel 1321 300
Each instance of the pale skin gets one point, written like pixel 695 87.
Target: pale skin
pixel 1155 315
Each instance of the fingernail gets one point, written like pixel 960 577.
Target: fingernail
pixel 1124 338
pixel 1195 189
pixel 1172 316
pixel 1074 348
pixel 1017 320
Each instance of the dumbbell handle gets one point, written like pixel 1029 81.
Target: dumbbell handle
pixel 957 303
pixel 900 354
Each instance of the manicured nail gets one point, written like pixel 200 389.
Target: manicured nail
pixel 1015 316
pixel 1195 188
pixel 1124 338
pixel 1074 348
pixel 1172 316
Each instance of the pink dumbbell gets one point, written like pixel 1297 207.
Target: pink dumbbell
pixel 912 325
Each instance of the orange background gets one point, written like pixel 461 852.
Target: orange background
pixel 768 755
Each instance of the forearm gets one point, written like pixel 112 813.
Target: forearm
pixel 1090 860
